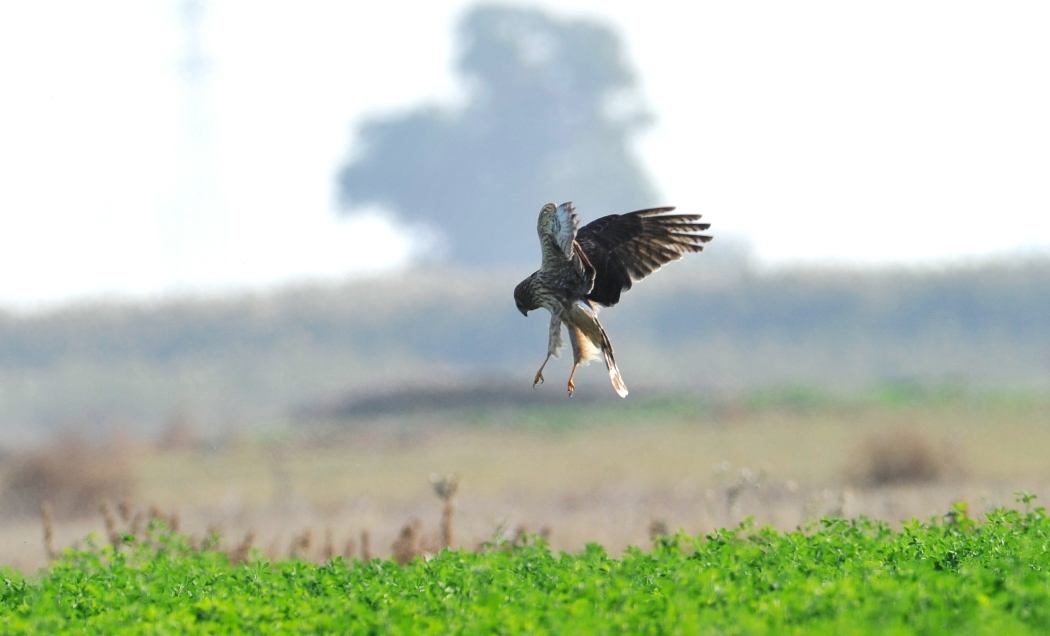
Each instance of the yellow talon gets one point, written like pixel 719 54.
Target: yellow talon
pixel 538 380
pixel 572 387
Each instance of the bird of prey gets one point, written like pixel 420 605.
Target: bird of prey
pixel 584 267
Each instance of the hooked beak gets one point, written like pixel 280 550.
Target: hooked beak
pixel 524 312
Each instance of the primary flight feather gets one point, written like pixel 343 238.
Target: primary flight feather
pixel 584 267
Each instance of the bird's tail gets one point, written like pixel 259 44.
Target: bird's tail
pixel 586 321
pixel 610 363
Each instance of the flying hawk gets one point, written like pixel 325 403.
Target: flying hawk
pixel 583 268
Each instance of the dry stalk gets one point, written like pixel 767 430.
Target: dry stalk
pixel 293 547
pixel 406 547
pixel 111 525
pixel 212 537
pixel 172 520
pixel 349 549
pixel 520 534
pixel 366 547
pixel 328 551
pixel 49 530
pixel 301 544
pixel 243 550
pixel 124 508
pixel 445 486
pixel 658 528
pixel 136 523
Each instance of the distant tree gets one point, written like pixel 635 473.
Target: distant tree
pixel 553 107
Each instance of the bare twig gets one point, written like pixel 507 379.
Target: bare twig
pixel 49 530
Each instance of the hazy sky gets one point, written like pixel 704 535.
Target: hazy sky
pixel 851 132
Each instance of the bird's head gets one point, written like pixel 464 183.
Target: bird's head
pixel 524 297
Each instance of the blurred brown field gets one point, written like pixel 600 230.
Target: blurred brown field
pixel 579 473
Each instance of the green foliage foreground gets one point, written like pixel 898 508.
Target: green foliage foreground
pixel 843 577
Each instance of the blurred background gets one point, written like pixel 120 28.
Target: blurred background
pixel 256 264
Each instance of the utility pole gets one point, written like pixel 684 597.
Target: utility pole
pixel 194 232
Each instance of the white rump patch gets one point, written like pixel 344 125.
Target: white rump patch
pixel 589 350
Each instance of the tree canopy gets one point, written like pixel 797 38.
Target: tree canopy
pixel 552 109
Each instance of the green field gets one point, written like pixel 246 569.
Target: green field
pixel 950 575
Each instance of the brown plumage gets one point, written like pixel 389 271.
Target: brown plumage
pixel 593 265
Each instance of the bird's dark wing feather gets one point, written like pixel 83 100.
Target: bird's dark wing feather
pixel 624 248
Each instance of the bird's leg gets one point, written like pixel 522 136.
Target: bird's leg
pixel 577 355
pixel 539 374
pixel 553 344
pixel 572 387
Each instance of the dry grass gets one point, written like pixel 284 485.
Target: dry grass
pixel 369 464
pixel 615 484
pixel 72 474
pixel 902 455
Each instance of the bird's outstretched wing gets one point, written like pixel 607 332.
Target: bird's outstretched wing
pixel 557 228
pixel 624 248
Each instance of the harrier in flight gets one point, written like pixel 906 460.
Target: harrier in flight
pixel 584 267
